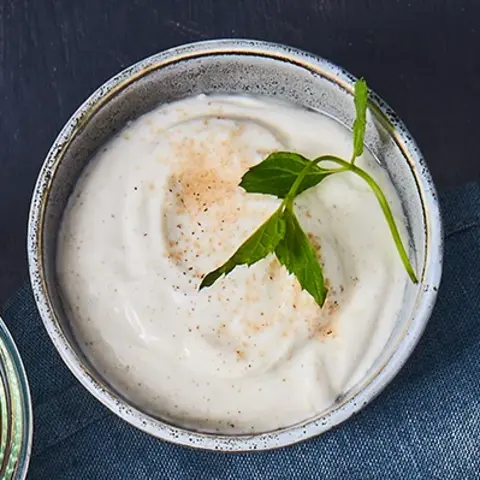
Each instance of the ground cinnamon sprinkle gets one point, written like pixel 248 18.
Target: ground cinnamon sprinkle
pixel 205 176
pixel 327 331
pixel 240 354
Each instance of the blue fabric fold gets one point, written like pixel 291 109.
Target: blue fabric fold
pixel 425 425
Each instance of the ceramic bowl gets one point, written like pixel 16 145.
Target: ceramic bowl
pixel 251 67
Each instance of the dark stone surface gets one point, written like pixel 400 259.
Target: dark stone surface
pixel 419 55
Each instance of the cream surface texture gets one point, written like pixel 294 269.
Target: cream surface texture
pixel 159 206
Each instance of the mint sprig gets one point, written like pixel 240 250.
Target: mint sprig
pixel 281 234
pixel 286 175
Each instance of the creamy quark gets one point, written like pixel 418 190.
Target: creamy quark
pixel 159 206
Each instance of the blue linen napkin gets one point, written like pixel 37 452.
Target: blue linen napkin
pixel 425 425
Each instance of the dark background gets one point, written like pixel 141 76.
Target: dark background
pixel 421 56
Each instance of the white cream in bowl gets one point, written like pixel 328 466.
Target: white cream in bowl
pixel 159 206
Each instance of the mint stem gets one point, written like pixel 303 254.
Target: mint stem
pixel 383 205
pixel 288 200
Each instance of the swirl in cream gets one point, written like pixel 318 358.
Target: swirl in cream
pixel 159 206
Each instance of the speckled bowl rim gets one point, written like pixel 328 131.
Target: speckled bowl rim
pixel 430 277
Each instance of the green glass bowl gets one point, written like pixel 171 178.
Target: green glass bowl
pixel 16 423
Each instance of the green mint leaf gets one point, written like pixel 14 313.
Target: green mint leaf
pixel 278 172
pixel 296 253
pixel 262 242
pixel 361 103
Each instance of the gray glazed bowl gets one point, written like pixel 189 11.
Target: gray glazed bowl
pixel 234 66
